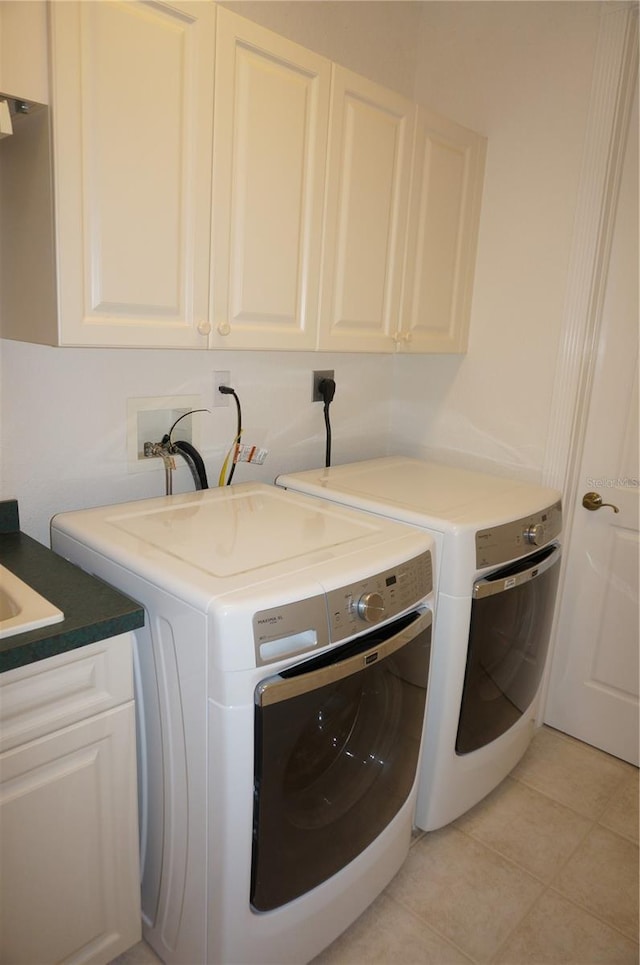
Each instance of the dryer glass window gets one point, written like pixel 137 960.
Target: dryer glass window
pixel 335 762
pixel 508 642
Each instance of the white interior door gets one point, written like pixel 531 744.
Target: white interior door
pixel 593 692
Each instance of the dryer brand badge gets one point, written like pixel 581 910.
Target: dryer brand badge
pixel 370 658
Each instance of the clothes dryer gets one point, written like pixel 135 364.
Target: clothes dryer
pixel 498 553
pixel 281 682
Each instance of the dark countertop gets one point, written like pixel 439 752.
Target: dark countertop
pixel 93 610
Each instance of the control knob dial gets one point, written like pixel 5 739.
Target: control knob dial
pixel 370 607
pixel 534 534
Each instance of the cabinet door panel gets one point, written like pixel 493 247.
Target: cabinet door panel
pixel 443 230
pixel 49 694
pixel 367 191
pixel 269 152
pixel 133 92
pixel 69 844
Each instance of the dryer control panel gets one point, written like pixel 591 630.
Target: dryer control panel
pixel 375 598
pixel 509 541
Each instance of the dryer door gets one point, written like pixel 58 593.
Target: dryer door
pixel 511 614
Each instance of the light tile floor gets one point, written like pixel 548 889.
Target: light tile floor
pixel 544 871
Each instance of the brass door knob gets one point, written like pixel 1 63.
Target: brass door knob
pixel 593 501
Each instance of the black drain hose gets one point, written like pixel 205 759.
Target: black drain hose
pixel 194 461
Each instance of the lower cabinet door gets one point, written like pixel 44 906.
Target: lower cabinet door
pixel 69 867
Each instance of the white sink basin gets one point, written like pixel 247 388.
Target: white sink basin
pixel 21 608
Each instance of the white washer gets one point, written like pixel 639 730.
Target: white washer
pixel 497 571
pixel 281 683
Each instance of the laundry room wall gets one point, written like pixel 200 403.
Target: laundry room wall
pixel 520 73
pixel 64 414
pixel 64 411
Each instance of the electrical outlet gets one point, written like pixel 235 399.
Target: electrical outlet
pixel 316 395
pixel 220 378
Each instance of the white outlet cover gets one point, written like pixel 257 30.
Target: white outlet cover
pixel 148 419
pixel 220 378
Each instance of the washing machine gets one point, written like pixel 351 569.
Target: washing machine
pixel 498 545
pixel 281 681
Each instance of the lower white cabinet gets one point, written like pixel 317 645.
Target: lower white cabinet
pixel 69 865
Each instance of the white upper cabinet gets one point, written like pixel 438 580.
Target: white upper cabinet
pixel 132 95
pixel 202 182
pixel 448 170
pixel 23 50
pixel 366 209
pixel 270 131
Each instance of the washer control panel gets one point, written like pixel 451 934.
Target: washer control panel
pixel 307 625
pixel 378 597
pixel 498 544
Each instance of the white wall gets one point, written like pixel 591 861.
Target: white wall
pixel 65 413
pixel 517 71
pixel 520 73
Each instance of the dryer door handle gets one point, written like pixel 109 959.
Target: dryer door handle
pixel 511 577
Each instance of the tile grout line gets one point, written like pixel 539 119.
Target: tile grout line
pixel 508 938
pixel 555 800
pixel 512 861
pixel 550 887
pixel 433 928
pixel 591 749
pixel 547 886
pixel 509 862
pixel 603 921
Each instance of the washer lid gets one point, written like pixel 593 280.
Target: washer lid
pixel 423 493
pixel 238 532
pixel 211 543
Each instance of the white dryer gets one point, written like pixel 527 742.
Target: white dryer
pixel 281 683
pixel 498 553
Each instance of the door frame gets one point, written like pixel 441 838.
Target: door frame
pixel 614 78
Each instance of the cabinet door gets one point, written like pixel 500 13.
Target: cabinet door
pixel 23 50
pixel 132 94
pixel 45 696
pixel 366 209
pixel 69 877
pixel 448 170
pixel 270 129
